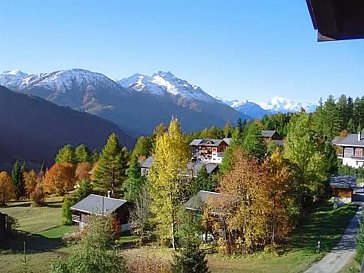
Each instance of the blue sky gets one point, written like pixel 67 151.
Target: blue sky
pixel 235 49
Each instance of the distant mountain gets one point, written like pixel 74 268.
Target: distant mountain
pixel 248 108
pixel 33 129
pixel 279 104
pixel 136 104
pixel 165 83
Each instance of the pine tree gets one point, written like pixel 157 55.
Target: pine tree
pixel 143 147
pixel 227 129
pixel 189 258
pixel 253 142
pixel 66 155
pixel 135 180
pixel 66 212
pixel 17 178
pixel 110 171
pixel 170 158
pixel 203 181
pixel 82 154
pixel 84 189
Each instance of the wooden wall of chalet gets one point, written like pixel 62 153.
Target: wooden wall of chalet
pixel 343 193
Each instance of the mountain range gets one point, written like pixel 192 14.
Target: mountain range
pixel 140 102
pixel 273 106
pixel 33 129
pixel 136 104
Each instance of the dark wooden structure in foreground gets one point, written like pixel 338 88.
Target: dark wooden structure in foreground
pixel 337 19
pixel 100 205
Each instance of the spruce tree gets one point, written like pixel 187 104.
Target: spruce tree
pixel 253 142
pixel 203 181
pixel 82 154
pixel 189 258
pixel 66 155
pixel 143 147
pixel 17 178
pixel 135 180
pixel 110 171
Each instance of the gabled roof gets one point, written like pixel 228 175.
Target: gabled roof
pixel 227 140
pixel 350 140
pixel 198 201
pixel 194 167
pixel 97 204
pixel 147 163
pixel 268 133
pixel 343 182
pixel 206 142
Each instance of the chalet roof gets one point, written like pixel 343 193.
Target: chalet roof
pixel 227 140
pixel 97 204
pixel 279 142
pixel 268 133
pixel 147 163
pixel 206 142
pixel 195 167
pixel 337 19
pixel 350 140
pixel 343 182
pixel 198 201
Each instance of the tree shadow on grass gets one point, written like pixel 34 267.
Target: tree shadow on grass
pixel 33 243
pixel 324 225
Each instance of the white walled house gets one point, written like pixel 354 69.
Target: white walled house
pixel 350 149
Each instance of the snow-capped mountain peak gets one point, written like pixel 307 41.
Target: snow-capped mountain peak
pixel 165 83
pixel 12 79
pixel 59 81
pixel 279 104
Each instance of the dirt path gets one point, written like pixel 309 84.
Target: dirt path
pixel 342 253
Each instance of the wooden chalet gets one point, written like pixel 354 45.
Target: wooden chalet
pixel 209 150
pixel 343 188
pixel 350 149
pixel 100 205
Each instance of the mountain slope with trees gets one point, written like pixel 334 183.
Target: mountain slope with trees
pixel 138 113
pixel 33 129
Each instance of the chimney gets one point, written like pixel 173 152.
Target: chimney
pixel 108 194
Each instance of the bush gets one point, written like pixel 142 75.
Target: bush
pixel 66 212
pixel 190 260
pixel 95 252
pixel 38 196
pixel 360 245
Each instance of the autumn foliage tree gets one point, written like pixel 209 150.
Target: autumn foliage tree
pixel 31 180
pixel 83 170
pixel 252 205
pixel 7 189
pixel 170 158
pixel 59 179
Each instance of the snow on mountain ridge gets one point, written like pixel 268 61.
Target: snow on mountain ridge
pixel 59 81
pixel 163 83
pixel 279 104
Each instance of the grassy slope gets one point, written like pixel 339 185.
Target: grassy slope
pixel 324 224
pixel 41 229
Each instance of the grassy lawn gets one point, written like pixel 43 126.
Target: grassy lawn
pixel 325 225
pixel 41 230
